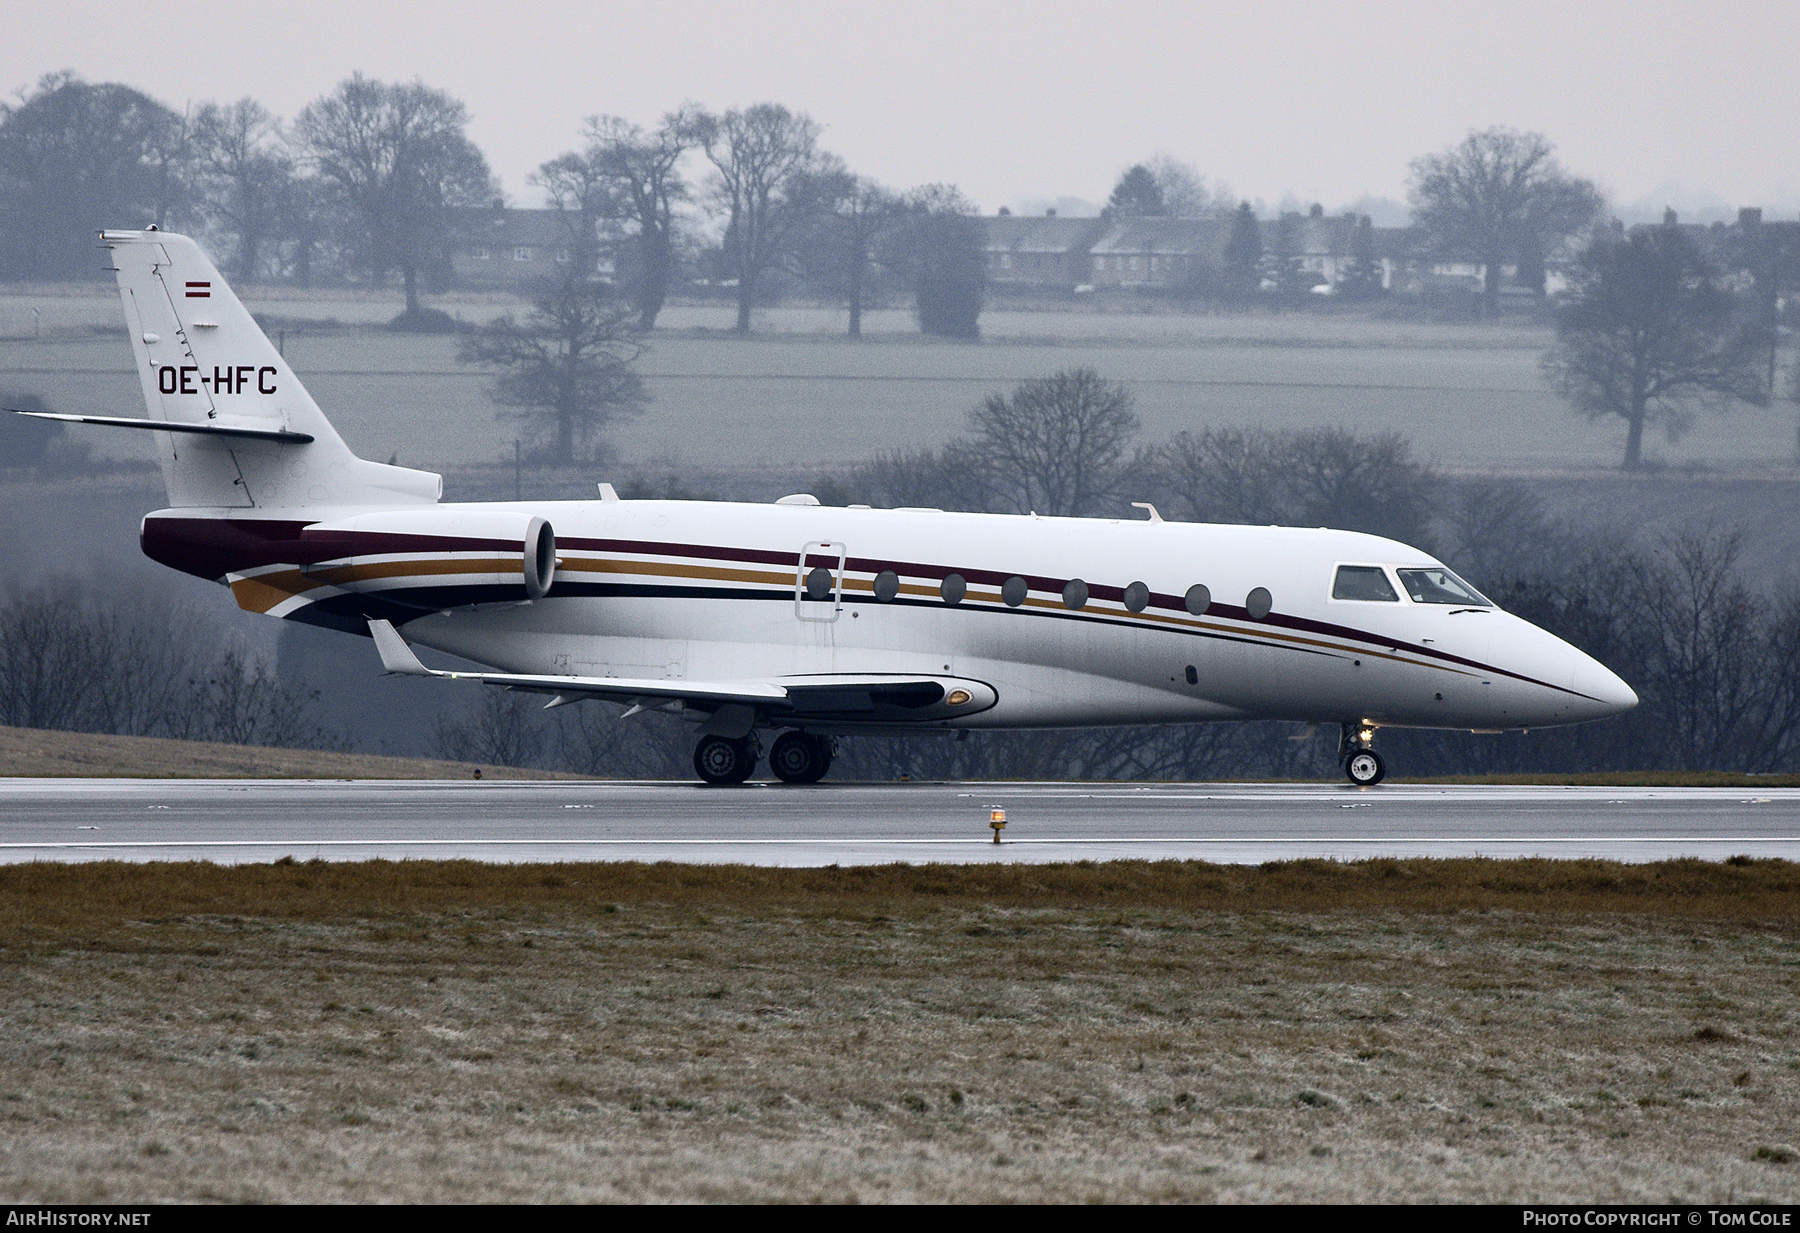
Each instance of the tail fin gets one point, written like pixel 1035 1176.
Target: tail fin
pixel 253 436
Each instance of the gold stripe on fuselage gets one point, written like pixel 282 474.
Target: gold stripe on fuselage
pixel 260 593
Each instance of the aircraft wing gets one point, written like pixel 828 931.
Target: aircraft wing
pixel 848 698
pixel 397 657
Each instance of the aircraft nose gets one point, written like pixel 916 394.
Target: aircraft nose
pixel 1608 694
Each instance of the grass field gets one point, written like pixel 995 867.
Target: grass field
pixel 1382 1032
pixel 800 394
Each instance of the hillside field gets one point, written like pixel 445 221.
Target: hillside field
pixel 799 394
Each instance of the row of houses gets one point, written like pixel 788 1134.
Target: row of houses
pixel 1173 253
pixel 1152 253
pixel 504 247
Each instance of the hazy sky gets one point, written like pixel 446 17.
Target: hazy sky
pixel 1023 102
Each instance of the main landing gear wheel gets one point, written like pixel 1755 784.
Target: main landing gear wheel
pixel 799 757
pixel 1365 768
pixel 719 759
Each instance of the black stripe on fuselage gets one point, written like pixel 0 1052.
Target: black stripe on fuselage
pixel 351 611
pixel 411 600
pixel 1052 587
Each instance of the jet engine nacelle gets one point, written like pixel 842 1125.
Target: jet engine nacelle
pixel 436 558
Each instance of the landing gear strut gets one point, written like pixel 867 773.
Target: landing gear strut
pixel 1362 765
pixel 801 757
pixel 722 759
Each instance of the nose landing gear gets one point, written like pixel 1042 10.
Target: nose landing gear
pixel 1362 765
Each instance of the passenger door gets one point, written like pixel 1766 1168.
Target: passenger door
pixel 819 581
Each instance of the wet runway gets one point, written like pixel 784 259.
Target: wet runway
pixel 232 821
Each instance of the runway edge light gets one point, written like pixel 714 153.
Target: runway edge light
pixel 997 820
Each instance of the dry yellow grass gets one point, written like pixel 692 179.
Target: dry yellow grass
pixel 39 753
pixel 450 1031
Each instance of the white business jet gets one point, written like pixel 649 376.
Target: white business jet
pixel 793 620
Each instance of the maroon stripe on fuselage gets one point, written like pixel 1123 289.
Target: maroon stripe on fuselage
pixel 213 547
pixel 1053 586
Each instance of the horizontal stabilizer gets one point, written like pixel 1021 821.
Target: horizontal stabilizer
pixel 206 430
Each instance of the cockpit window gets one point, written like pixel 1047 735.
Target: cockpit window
pixel 1439 586
pixel 1363 582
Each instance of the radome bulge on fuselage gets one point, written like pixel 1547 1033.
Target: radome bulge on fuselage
pixel 795 618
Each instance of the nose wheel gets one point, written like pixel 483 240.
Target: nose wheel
pixel 721 759
pixel 1362 765
pixel 801 757
pixel 1365 768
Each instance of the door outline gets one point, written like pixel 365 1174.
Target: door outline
pixel 808 609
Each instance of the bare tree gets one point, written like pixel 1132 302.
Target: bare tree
pixel 1497 531
pixel 1646 332
pixel 761 156
pixel 506 729
pixel 1056 445
pixel 567 367
pixel 1185 192
pixel 78 156
pixel 72 661
pixel 400 157
pixel 1495 195
pixel 1315 477
pixel 946 477
pixel 581 191
pixel 845 251
pixel 243 174
pixel 627 173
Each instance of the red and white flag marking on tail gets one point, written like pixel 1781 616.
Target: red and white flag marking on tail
pixel 199 291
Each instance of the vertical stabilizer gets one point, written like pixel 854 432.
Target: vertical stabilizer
pixel 203 360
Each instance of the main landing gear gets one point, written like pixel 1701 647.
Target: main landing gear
pixel 724 759
pixel 796 757
pixel 1362 765
pixel 801 757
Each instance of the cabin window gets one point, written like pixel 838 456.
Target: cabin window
pixel 1137 597
pixel 1013 591
pixel 1258 603
pixel 818 584
pixel 953 588
pixel 1363 582
pixel 1075 594
pixel 1198 599
pixel 1193 675
pixel 887 585
pixel 1439 586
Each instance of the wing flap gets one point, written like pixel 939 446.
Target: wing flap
pixel 812 700
pixel 398 657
